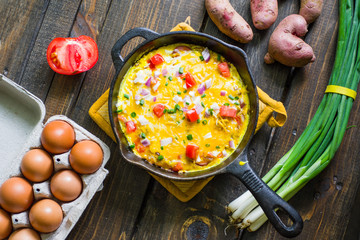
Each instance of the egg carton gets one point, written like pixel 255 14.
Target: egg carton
pixel 21 123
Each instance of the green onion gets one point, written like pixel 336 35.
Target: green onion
pixel 219 57
pixel 217 147
pixel 171 111
pixel 165 110
pixel 204 122
pixel 166 83
pixel 160 157
pixel 142 135
pixel 187 103
pixel 189 137
pixel 181 70
pixel 198 121
pixel 204 95
pixel 142 102
pixel 183 118
pixel 236 103
pixel 170 78
pixel 231 97
pixel 236 98
pixel 201 58
pixel 162 148
pixel 126 96
pixel 207 145
pixel 316 146
pixel 132 146
pixel 177 107
pixel 133 114
pixel 178 92
pixel 202 104
pixel 226 104
pixel 211 111
pixel 119 111
pixel 184 79
pixel 185 91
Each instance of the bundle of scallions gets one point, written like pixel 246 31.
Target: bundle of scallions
pixel 317 145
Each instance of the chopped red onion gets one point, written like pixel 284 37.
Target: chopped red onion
pixel 223 93
pixel 199 108
pixel 145 142
pixel 165 141
pixel 137 97
pixel 206 54
pixel 177 74
pixel 224 153
pixel 201 88
pixel 156 74
pixel 144 92
pixel 148 82
pixel 208 84
pixel 184 109
pixel 164 72
pixel 154 99
pixel 232 144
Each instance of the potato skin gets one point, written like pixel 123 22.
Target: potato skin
pixel 311 9
pixel 263 13
pixel 228 20
pixel 286 46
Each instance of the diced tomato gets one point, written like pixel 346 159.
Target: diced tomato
pixel 140 148
pixel 191 151
pixel 122 118
pixel 179 166
pixel 190 81
pixel 226 111
pixel 157 59
pixel 159 109
pixel 151 65
pixel 224 69
pixel 238 120
pixel 130 126
pixel 71 56
pixel 192 115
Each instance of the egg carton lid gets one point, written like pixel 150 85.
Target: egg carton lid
pixel 21 123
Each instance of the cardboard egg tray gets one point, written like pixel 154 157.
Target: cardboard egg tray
pixel 21 124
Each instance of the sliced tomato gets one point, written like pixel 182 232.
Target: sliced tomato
pixel 157 59
pixel 190 81
pixel 224 69
pixel 192 115
pixel 179 166
pixel 191 150
pixel 130 126
pixel 71 56
pixel 159 109
pixel 226 111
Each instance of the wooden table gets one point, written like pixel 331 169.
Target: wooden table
pixel 133 205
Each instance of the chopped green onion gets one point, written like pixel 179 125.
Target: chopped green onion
pixel 170 78
pixel 177 107
pixel 178 92
pixel 142 102
pixel 231 97
pixel 219 57
pixel 133 114
pixel 236 103
pixel 162 148
pixel 183 118
pixel 211 111
pixel 236 98
pixel 189 137
pixel 184 79
pixel 166 83
pixel 142 135
pixel 132 146
pixel 177 122
pixel 202 104
pixel 119 111
pixel 204 122
pixel 160 157
pixel 198 121
pixel 187 103
pixel 126 96
pixel 204 95
pixel 201 58
pixel 165 110
pixel 226 104
pixel 217 147
pixel 207 145
pixel 171 111
pixel 185 91
pixel 181 70
pixel 176 138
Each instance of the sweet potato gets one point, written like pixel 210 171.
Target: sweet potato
pixel 286 46
pixel 228 20
pixel 263 13
pixel 310 9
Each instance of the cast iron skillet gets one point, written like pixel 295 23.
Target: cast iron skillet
pixel 268 200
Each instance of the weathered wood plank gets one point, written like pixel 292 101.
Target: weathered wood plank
pixel 19 25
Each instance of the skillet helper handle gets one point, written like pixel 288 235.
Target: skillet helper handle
pixel 268 199
pixel 135 32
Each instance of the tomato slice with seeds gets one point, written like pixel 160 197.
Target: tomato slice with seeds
pixel 71 56
pixel 159 109
pixel 191 150
pixel 224 69
pixel 179 166
pixel 190 81
pixel 157 59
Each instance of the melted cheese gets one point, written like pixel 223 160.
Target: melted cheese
pixel 211 134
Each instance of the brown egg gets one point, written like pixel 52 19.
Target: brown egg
pixel 66 185
pixel 37 165
pixel 86 157
pixel 5 224
pixel 46 216
pixel 25 234
pixel 58 137
pixel 16 195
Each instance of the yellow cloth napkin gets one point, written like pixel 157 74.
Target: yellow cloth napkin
pixel 186 190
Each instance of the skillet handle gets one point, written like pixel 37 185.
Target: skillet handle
pixel 267 198
pixel 135 32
